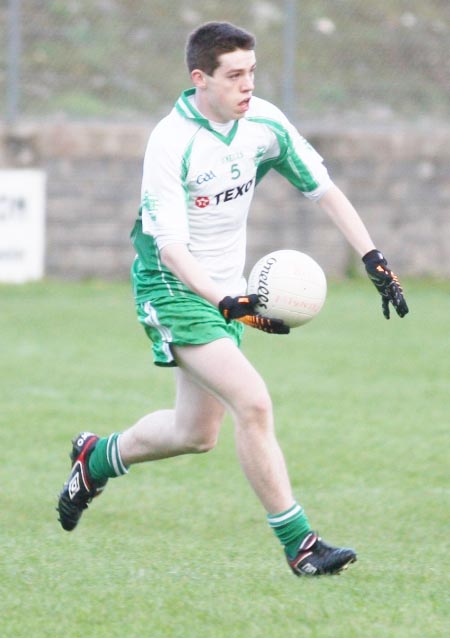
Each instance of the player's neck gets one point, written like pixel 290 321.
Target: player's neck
pixel 219 126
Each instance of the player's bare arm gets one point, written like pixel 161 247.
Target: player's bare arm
pixel 344 215
pixel 177 258
pixel 342 212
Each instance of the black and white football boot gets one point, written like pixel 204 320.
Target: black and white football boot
pixel 316 558
pixel 80 488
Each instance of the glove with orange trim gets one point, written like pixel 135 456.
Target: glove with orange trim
pixel 274 326
pixel 386 282
pixel 236 307
pixel 243 309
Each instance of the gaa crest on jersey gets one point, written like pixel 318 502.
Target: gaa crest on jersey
pixel 205 177
pixel 202 202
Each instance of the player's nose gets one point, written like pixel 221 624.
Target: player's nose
pixel 248 84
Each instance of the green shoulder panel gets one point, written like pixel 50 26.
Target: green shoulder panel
pixel 288 163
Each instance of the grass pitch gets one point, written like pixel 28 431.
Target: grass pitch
pixel 180 547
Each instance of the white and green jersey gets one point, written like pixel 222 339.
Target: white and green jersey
pixel 198 183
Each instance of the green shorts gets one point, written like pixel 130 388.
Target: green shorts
pixel 183 321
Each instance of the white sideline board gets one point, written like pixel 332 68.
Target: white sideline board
pixel 22 225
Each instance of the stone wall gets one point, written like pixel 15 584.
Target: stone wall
pixel 398 179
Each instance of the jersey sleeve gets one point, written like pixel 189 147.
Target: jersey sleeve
pixel 163 197
pixel 294 157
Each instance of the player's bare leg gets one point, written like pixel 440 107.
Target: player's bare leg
pixel 221 369
pixel 211 377
pixel 192 427
pixel 195 423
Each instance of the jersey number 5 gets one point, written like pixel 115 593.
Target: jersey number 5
pixel 235 172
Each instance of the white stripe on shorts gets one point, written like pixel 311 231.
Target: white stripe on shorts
pixel 152 320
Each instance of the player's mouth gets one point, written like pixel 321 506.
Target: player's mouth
pixel 244 104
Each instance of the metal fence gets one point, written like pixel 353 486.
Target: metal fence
pixel 346 59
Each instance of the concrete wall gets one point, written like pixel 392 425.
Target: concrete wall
pixel 398 179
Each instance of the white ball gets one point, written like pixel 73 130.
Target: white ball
pixel 291 286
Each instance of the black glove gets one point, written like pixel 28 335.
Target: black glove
pixel 386 282
pixel 274 326
pixel 236 307
pixel 243 309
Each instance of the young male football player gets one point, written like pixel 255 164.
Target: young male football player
pixel 201 167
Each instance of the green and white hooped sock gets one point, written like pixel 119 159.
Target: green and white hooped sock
pixel 105 461
pixel 290 527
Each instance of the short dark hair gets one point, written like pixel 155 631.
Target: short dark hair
pixel 211 40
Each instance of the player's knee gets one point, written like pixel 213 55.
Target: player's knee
pixel 201 439
pixel 201 444
pixel 257 410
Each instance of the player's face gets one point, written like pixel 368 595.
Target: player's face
pixel 226 94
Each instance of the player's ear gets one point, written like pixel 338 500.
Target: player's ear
pixel 198 78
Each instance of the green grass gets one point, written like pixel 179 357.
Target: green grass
pixel 181 548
